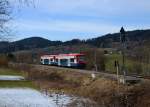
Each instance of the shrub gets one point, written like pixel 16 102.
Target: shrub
pixel 3 61
pixel 95 57
pixel 10 57
pixel 137 68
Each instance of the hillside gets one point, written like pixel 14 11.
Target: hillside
pixel 134 39
pixel 111 40
pixel 27 44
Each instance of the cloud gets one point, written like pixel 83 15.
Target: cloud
pixel 66 26
pixel 70 17
pixel 94 7
pixel 73 26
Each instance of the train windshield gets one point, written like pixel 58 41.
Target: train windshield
pixel 81 58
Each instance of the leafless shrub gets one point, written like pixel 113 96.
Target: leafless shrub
pixel 6 9
pixel 3 61
pixel 95 59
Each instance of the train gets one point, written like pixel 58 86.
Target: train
pixel 73 60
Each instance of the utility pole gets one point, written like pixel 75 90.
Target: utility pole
pixel 123 45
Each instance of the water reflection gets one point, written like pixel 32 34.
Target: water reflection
pixel 63 100
pixel 25 97
pixel 11 78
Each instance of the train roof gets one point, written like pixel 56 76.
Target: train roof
pixel 71 54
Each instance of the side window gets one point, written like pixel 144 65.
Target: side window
pixel 72 60
pixel 51 60
pixel 56 60
pixel 41 60
pixel 46 61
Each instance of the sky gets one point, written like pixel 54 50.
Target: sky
pixel 78 19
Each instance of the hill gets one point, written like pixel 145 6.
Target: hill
pixel 27 44
pixel 134 39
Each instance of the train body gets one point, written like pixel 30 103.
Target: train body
pixel 65 60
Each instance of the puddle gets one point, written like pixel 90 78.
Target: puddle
pixel 11 78
pixel 25 97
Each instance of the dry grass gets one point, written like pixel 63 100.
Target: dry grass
pixel 101 90
pixel 106 92
pixel 3 61
pixel 7 71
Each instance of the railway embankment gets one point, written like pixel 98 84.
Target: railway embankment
pixel 106 92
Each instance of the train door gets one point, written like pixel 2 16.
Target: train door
pixel 46 61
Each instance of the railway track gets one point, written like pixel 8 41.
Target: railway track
pixel 102 74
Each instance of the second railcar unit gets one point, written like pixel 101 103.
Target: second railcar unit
pixel 64 60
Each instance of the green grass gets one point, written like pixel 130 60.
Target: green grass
pixel 7 71
pixel 17 84
pixel 13 84
pixel 131 66
pixel 110 62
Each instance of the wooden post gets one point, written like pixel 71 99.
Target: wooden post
pixel 117 69
pixel 123 40
pixel 95 61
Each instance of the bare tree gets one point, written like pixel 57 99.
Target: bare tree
pixel 5 15
pixel 5 11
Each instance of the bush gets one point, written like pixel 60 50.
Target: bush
pixel 3 61
pixel 10 57
pixel 95 57
pixel 136 68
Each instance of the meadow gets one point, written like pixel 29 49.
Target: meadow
pixel 13 84
pixel 132 67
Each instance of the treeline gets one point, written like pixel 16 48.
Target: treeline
pixel 134 39
pixel 5 59
pixel 94 58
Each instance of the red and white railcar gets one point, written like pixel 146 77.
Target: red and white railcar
pixel 66 60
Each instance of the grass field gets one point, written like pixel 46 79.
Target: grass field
pixel 13 84
pixel 132 67
pixel 7 71
pixel 16 84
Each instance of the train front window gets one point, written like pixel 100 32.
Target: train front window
pixel 81 58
